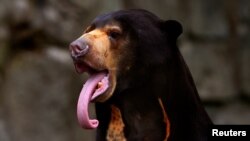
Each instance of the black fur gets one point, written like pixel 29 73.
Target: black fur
pixel 158 71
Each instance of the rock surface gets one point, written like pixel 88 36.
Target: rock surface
pixel 41 94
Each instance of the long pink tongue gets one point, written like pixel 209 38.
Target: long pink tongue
pixel 84 99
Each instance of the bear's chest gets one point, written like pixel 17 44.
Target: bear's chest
pixel 116 126
pixel 137 126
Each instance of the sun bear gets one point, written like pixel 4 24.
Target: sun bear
pixel 138 80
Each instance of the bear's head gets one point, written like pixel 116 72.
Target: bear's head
pixel 118 50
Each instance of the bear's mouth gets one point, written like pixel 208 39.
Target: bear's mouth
pixel 97 88
pixel 97 83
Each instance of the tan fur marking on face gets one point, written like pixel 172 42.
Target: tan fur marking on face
pixel 116 126
pixel 99 40
pixel 105 52
pixel 116 49
pixel 99 48
pixel 166 120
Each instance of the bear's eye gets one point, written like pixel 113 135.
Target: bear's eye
pixel 114 34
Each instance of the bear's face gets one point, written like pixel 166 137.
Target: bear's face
pixel 119 42
pixel 101 50
pixel 118 48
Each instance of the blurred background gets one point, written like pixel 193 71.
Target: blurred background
pixel 39 87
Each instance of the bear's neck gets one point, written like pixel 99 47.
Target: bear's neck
pixel 143 116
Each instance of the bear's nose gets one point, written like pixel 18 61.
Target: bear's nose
pixel 78 48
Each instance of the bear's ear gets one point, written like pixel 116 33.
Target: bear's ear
pixel 172 28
